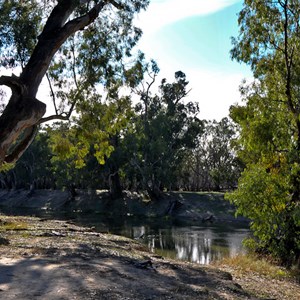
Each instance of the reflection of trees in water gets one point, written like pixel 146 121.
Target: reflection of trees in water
pixel 193 248
pixel 200 246
pixel 196 246
pixel 161 240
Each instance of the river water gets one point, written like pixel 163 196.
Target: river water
pixel 201 243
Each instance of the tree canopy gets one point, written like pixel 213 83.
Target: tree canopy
pixel 269 142
pixel 88 39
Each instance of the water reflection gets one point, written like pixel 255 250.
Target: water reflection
pixel 199 244
pixel 196 244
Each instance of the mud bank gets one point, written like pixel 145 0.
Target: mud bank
pixel 192 207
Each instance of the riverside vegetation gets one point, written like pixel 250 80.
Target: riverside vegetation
pixel 156 143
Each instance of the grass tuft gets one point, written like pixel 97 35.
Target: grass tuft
pixel 12 225
pixel 245 263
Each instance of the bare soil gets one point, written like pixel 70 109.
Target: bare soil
pixel 48 259
pixel 56 260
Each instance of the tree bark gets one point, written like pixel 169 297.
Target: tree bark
pixel 19 121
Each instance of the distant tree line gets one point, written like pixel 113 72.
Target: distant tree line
pixel 154 145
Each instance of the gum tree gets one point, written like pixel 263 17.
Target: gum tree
pixel 269 143
pixel 35 34
pixel 167 128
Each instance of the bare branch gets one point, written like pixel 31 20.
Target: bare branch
pixel 52 93
pixel 54 117
pixel 74 63
pixel 62 117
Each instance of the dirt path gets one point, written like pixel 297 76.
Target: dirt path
pixel 43 259
pixel 57 260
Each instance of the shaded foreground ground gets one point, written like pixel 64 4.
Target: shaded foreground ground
pixel 47 259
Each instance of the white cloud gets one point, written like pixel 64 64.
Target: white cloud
pixel 215 87
pixel 164 12
pixel 214 91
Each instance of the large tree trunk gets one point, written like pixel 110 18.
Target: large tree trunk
pixel 23 113
pixel 18 126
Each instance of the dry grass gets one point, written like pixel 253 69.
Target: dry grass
pixel 262 278
pixel 261 266
pixel 12 225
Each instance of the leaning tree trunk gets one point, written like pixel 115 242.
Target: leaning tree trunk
pixel 19 121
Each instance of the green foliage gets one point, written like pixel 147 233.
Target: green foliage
pixel 143 148
pixel 95 57
pixel 269 122
pixel 167 129
pixel 99 56
pixel 263 196
pixel 266 126
pixel 90 140
pixel 99 122
pixel 18 36
pixel 95 74
pixel 6 167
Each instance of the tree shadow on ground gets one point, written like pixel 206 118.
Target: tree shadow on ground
pixel 86 272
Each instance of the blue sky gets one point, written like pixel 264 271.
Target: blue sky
pixel 194 36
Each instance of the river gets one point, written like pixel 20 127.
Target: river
pixel 202 243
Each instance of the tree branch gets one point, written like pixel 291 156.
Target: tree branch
pixel 116 4
pixel 54 117
pixel 81 22
pixel 29 135
pixel 51 39
pixel 59 117
pixel 14 83
pixel 58 17
pixel 52 93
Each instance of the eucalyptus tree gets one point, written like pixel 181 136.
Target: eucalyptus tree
pixel 94 134
pixel 168 126
pixel 213 164
pixel 38 35
pixel 269 143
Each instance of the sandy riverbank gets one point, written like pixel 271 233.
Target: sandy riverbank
pixel 47 259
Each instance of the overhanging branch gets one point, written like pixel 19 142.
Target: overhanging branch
pixel 29 135
pixel 81 22
pixel 54 117
pixel 14 83
pixel 61 117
